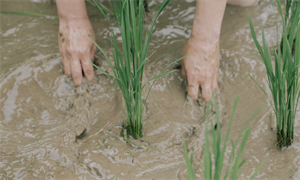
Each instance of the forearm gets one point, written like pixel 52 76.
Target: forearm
pixel 207 21
pixel 243 3
pixel 71 9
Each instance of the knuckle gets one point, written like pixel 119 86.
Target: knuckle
pixel 75 75
pixel 89 72
pixel 80 51
pixel 83 50
pixel 67 73
pixel 76 78
pixel 208 75
pixel 71 50
pixel 86 62
pixel 206 96
pixel 192 75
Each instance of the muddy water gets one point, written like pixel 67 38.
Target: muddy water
pixel 50 129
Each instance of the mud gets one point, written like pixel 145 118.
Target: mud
pixel 50 129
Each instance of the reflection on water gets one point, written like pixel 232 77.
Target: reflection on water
pixel 51 129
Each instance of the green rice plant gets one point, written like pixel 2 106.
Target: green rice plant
pixel 218 150
pixel 283 79
pixel 129 62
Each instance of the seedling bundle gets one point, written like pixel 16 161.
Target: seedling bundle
pixel 129 61
pixel 283 79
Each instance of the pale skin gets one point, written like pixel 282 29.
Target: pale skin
pixel 74 38
pixel 200 67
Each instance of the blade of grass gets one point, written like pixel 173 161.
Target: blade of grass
pixel 188 162
pixel 28 14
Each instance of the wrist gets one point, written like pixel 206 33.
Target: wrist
pixel 203 42
pixel 72 19
pixel 68 12
pixel 207 21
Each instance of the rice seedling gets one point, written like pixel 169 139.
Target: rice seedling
pixel 283 79
pixel 218 150
pixel 129 62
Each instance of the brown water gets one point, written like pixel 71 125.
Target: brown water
pixel 43 114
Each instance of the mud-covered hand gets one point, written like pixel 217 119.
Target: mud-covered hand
pixel 202 65
pixel 201 68
pixel 77 49
pixel 74 38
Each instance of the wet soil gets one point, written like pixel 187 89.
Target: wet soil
pixel 50 129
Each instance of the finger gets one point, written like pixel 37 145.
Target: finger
pixel 94 48
pixel 92 53
pixel 215 83
pixel 206 91
pixel 64 59
pixel 76 71
pixel 193 88
pixel 88 68
pixel 183 71
pixel 66 64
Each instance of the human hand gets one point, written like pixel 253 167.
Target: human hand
pixel 76 48
pixel 201 67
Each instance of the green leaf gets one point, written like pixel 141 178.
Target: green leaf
pixel 28 14
pixel 188 162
